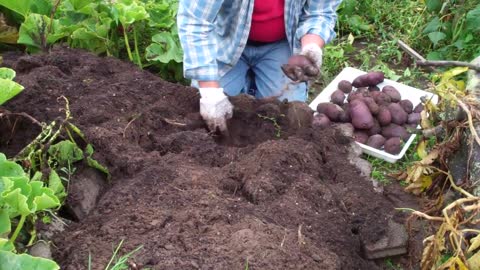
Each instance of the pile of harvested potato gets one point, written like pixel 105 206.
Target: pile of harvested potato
pixel 380 116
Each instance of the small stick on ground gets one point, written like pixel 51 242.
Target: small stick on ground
pixel 423 215
pixel 26 115
pixel 448 63
pixel 129 123
pixel 173 123
pixel 301 239
pixel 470 120
pixel 421 61
pixel 284 238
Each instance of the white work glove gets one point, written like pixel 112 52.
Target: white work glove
pixel 215 108
pixel 305 66
pixel 314 53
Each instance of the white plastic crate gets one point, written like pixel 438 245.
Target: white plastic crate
pixel 407 92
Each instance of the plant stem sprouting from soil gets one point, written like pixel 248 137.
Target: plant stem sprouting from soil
pixel 278 128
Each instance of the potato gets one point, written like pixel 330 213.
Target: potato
pixel 384 116
pixel 297 65
pixel 321 120
pixel 394 130
pixel 337 97
pixel 372 105
pixel 376 129
pixel 360 136
pixel 407 105
pixel 399 116
pixel 370 79
pixel 376 141
pixel 332 111
pixel 392 92
pixel 418 108
pixel 354 95
pixel 381 98
pixel 322 106
pixel 393 145
pixel 414 118
pixel 361 116
pixel 345 86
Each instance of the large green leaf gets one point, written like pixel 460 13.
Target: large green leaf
pixel 76 5
pixel 66 152
pixel 38 31
pixel 8 90
pixel 473 19
pixel 56 185
pixel 93 35
pixel 433 25
pixel 41 197
pixel 9 168
pixel 436 37
pixel 24 197
pixel 43 7
pixel 16 196
pixel 6 245
pixel 5 225
pixel 129 11
pixel 434 5
pixel 12 261
pixel 19 6
pixel 161 15
pixel 164 49
pixel 7 73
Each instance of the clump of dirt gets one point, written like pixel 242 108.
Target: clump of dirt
pixel 276 194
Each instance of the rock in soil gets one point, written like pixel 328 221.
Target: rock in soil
pixel 392 244
pixel 192 200
pixel 84 190
pixel 41 249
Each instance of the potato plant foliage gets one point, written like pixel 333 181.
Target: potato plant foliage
pixel 142 31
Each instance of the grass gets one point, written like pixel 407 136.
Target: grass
pixel 117 263
pixel 381 168
pixel 389 265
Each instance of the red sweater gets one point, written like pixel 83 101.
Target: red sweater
pixel 268 24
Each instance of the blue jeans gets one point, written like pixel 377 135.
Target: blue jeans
pixel 258 72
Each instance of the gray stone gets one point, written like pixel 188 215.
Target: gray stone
pixel 56 226
pixel 84 192
pixel 41 249
pixel 458 166
pixel 364 166
pixel 393 244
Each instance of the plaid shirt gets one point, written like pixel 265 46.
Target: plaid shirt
pixel 214 33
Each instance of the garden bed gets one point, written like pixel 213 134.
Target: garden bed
pixel 275 195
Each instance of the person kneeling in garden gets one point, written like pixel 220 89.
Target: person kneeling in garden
pixel 233 46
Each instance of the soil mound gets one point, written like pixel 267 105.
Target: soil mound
pixel 276 194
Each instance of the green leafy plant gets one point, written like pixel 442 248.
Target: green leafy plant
pixel 55 148
pixel 20 198
pixel 142 31
pixel 453 29
pixel 8 88
pixel 12 261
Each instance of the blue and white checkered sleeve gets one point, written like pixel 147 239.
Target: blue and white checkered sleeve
pixel 196 31
pixel 319 17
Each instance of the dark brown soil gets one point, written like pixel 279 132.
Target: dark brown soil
pixel 192 199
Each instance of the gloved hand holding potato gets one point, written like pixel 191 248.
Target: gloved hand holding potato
pixel 305 66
